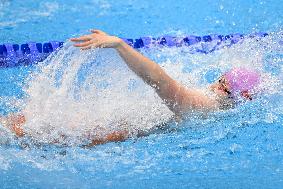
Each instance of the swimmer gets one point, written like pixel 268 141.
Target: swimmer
pixel 234 84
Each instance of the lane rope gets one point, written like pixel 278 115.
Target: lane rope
pixel 12 55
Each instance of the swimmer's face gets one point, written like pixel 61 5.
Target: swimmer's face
pixel 221 87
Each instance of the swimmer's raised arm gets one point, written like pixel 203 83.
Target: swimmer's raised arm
pixel 178 98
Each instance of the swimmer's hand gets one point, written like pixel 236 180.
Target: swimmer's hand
pixel 97 39
pixel 14 122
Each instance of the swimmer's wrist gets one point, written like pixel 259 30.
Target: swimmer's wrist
pixel 119 43
pixel 122 47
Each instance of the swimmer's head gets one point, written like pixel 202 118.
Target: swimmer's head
pixel 237 82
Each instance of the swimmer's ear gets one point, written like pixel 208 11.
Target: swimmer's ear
pixel 246 95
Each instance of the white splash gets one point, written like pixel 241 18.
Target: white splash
pixel 73 99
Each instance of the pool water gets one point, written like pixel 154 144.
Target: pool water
pixel 238 148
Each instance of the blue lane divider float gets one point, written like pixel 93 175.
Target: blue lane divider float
pixel 12 55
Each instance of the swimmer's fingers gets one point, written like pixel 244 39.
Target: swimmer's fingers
pixel 82 38
pixel 93 45
pixel 84 44
pixel 98 32
pixel 86 47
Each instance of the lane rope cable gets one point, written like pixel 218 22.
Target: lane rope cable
pixel 12 55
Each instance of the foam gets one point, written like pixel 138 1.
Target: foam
pixel 59 103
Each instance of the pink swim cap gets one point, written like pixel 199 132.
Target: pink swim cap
pixel 242 79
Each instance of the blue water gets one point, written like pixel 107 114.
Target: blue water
pixel 240 148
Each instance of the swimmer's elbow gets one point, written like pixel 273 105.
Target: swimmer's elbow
pixel 116 136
